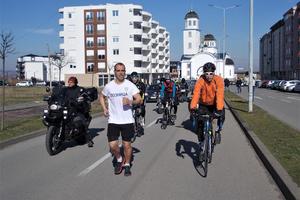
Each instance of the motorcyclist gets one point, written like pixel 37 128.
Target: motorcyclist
pixel 72 95
pixel 135 79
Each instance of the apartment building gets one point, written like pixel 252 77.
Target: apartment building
pixel 280 48
pixel 97 37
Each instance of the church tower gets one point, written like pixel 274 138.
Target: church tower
pixel 191 34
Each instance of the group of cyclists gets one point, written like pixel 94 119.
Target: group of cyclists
pixel 208 97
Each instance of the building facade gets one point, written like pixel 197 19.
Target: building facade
pixel 280 48
pixel 97 37
pixel 197 52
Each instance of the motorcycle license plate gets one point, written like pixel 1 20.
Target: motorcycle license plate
pixel 182 90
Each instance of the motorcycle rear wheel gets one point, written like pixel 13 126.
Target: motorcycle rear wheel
pixel 53 143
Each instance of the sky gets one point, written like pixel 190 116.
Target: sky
pixel 34 23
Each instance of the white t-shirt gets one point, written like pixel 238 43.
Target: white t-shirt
pixel 118 113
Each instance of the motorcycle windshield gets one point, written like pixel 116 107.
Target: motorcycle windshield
pixel 58 95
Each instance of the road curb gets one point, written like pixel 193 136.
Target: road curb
pixel 31 135
pixel 287 186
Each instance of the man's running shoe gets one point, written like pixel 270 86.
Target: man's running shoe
pixel 127 171
pixel 119 167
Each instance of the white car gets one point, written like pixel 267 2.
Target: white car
pixel 24 84
pixel 288 85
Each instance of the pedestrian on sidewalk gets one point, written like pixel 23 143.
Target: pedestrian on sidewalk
pixel 121 94
pixel 226 83
pixel 238 85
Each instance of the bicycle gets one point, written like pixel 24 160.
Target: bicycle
pixel 167 118
pixel 207 145
pixel 138 128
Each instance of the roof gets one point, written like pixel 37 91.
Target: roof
pixel 209 37
pixel 191 14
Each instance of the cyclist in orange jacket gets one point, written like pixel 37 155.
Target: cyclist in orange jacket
pixel 209 95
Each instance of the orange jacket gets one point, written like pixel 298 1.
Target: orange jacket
pixel 209 93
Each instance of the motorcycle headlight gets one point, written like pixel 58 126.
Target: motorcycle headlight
pixel 46 111
pixel 65 112
pixel 54 107
pixel 146 94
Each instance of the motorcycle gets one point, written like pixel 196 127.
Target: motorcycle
pixel 183 94
pixel 64 121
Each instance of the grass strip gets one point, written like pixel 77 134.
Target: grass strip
pixel 282 140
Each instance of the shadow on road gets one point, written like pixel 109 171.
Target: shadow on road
pixel 191 149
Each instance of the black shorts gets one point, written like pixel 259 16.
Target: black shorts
pixel 115 130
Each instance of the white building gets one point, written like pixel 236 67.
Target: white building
pixel 196 52
pixel 34 66
pixel 96 37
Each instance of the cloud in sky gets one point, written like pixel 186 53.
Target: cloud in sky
pixel 42 31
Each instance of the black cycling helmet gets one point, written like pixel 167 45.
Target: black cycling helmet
pixel 134 74
pixel 209 67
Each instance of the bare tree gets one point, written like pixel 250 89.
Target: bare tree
pixel 6 42
pixel 60 61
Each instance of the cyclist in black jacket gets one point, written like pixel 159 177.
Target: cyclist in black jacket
pixel 135 78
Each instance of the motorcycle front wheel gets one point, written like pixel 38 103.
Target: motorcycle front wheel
pixel 53 142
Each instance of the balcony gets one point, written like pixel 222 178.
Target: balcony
pixel 138 44
pixel 61 21
pixel 146 24
pixel 146 59
pixel 61 34
pixel 146 47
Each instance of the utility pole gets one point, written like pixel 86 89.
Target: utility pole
pixel 50 70
pixel 3 96
pixel 250 85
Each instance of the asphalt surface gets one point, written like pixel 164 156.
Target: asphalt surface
pixel 158 172
pixel 284 106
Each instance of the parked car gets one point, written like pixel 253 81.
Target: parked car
pixel 297 87
pixel 24 84
pixel 152 92
pixel 1 83
pixel 264 83
pixel 289 85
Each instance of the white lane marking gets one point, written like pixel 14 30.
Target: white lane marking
pixel 151 124
pixel 286 101
pixel 258 97
pixel 94 165
pixel 106 156
pixel 294 98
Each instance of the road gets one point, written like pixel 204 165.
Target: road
pixel 283 105
pixel 79 172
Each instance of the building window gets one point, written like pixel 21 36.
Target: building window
pixel 101 28
pixel 89 42
pixel 194 22
pixel 190 34
pixel 70 15
pixel 115 13
pixel 190 45
pixel 101 41
pixel 90 67
pixel 115 51
pixel 116 39
pixel 101 54
pixel 89 28
pixel 190 23
pixel 89 16
pixel 100 15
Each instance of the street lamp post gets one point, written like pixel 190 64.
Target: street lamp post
pixel 224 30
pixel 250 85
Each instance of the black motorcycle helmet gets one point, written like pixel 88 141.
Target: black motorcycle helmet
pixel 209 67
pixel 134 74
pixel 182 80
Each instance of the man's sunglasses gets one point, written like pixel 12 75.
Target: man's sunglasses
pixel 209 73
